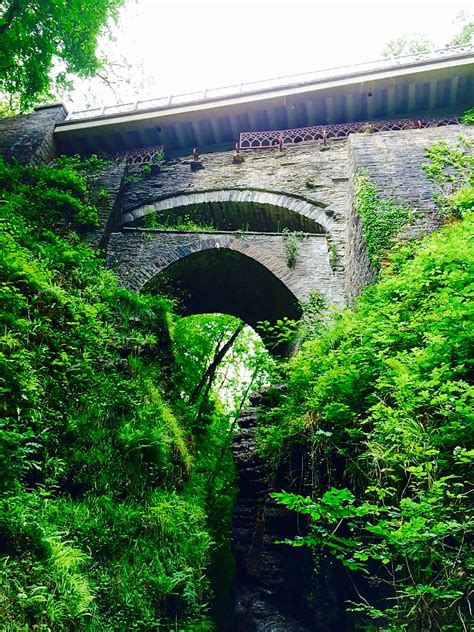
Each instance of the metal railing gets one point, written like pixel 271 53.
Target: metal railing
pixel 289 137
pixel 325 133
pixel 138 157
pixel 250 87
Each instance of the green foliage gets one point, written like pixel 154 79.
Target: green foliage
pixel 196 339
pixel 466 34
pixel 407 44
pixel 27 191
pixel 382 220
pixel 35 35
pixel 327 515
pixel 468 117
pixel 282 333
pixel 413 43
pixel 333 256
pixel 312 323
pixel 178 222
pixel 291 240
pixel 451 168
pixel 114 489
pixel 97 528
pixel 384 400
pixel 213 418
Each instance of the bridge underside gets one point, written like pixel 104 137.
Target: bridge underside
pixel 413 89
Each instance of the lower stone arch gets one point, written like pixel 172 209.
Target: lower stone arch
pixel 275 266
pixel 228 279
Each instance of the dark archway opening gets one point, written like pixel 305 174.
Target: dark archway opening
pixel 232 216
pixel 222 280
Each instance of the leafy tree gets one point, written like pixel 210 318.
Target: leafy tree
pixel 420 43
pixel 36 36
pixel 466 35
pixel 407 44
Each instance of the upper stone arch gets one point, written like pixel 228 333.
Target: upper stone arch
pixel 309 209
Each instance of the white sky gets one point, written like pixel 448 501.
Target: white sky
pixel 188 45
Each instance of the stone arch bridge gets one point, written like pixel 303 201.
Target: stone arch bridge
pixel 242 265
pixel 243 269
pixel 243 274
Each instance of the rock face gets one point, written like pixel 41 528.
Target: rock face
pixel 272 580
pixel 279 588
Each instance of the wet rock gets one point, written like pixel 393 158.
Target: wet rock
pixel 272 579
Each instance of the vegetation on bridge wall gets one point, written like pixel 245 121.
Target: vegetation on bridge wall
pixel 383 398
pixel 382 220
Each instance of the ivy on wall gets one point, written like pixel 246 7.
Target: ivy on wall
pixel 382 220
pixel 451 169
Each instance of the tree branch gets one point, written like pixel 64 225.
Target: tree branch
pixel 10 15
pixel 211 369
pixel 230 433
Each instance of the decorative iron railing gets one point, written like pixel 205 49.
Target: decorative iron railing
pixel 250 87
pixel 139 157
pixel 326 133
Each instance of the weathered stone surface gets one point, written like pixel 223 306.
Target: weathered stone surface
pixel 272 579
pixel 280 175
pixel 312 181
pixel 139 255
pixel 316 184
pixel 29 139
pixel 281 588
pixel 111 181
pixel 394 162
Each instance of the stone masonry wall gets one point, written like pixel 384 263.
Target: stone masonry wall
pixel 311 173
pixel 320 176
pixel 29 139
pixel 139 255
pixel 394 162
pixel 312 180
pixel 111 181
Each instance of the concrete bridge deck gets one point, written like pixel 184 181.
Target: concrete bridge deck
pixel 426 84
